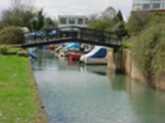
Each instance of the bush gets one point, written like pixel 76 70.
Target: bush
pixel 137 22
pixel 11 35
pixel 8 50
pixel 148 48
pixel 3 49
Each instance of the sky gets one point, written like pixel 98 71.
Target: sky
pixel 54 8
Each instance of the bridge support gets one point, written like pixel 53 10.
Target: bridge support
pixel 116 61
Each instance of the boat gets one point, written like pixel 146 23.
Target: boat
pixel 96 56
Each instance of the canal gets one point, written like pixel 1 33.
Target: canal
pixel 88 94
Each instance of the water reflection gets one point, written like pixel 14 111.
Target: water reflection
pixel 100 69
pixel 78 94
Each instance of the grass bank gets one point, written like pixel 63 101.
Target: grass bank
pixel 19 101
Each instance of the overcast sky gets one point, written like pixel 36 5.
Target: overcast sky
pixel 80 7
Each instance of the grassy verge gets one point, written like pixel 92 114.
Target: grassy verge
pixel 18 96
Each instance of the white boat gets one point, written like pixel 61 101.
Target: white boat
pixel 96 56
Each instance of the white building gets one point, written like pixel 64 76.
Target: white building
pixel 67 20
pixel 148 5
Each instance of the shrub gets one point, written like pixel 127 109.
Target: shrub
pixel 8 50
pixel 137 22
pixel 3 49
pixel 148 48
pixel 11 35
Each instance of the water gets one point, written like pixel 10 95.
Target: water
pixel 85 94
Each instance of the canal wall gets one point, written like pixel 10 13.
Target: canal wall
pixel 126 64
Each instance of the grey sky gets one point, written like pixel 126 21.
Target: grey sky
pixel 82 7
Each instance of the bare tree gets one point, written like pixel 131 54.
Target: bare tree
pixel 21 3
pixel 16 3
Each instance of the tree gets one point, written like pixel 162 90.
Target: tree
pixel 109 13
pixel 37 23
pixel 111 24
pixel 137 22
pixel 49 23
pixel 119 17
pixel 103 22
pixel 22 3
pixel 98 24
pixel 17 17
pixel 119 28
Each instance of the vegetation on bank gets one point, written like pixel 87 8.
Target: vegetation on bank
pixel 18 103
pixel 147 42
pixel 9 50
pixel 148 49
pixel 25 15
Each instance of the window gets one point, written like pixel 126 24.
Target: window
pixel 63 20
pixel 80 21
pixel 146 6
pixel 71 21
pixel 156 6
pixel 86 20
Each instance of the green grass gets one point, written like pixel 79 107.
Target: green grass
pixel 17 93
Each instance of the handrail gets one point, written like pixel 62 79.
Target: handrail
pixel 72 32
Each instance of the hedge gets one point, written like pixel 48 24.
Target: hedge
pixel 11 35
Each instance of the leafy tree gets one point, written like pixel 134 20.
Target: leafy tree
pixel 119 27
pixel 137 22
pixel 40 22
pixel 99 24
pixel 41 18
pixel 119 17
pixel 105 21
pixel 37 21
pixel 120 30
pixel 109 13
pixel 115 24
pixel 49 23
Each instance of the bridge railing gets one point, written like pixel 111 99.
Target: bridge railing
pixel 75 33
pixel 99 37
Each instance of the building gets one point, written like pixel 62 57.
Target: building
pixel 80 21
pixel 148 5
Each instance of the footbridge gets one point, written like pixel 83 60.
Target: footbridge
pixel 72 34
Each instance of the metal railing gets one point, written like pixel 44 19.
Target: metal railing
pixel 77 34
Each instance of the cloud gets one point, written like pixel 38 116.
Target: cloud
pixel 72 6
pixel 124 5
pixel 4 4
pixel 82 7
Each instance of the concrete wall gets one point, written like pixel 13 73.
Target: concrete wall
pixel 131 68
pixel 125 64
pixel 128 65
